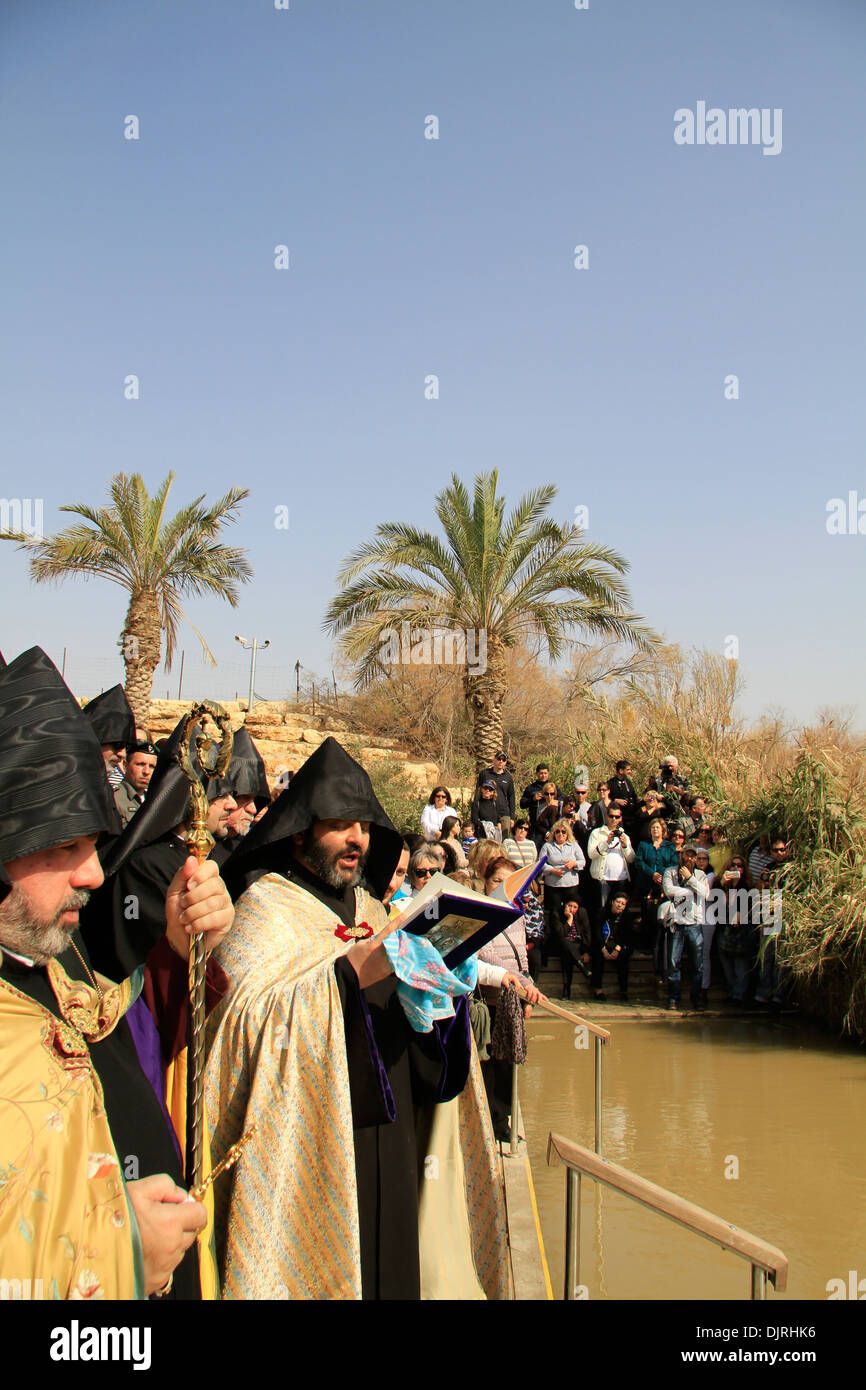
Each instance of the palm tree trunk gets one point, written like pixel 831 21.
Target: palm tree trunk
pixel 485 694
pixel 141 648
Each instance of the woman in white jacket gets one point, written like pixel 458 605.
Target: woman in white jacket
pixel 434 813
pixel 610 853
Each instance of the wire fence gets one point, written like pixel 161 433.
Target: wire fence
pixel 193 680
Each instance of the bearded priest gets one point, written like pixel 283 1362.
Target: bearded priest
pixel 373 1172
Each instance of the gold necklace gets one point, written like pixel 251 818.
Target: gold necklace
pixel 93 978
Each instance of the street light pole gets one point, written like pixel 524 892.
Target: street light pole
pixel 252 647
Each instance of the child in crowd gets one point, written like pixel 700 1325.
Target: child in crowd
pixel 469 838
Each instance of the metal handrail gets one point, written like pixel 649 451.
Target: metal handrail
pixel 601 1036
pixel 766 1260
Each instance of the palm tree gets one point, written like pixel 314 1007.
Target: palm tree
pixel 495 578
pixel 159 561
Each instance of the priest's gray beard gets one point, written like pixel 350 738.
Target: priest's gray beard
pixel 324 865
pixel 37 938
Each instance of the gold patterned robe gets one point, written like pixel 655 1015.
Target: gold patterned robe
pixel 287 1218
pixel 66 1228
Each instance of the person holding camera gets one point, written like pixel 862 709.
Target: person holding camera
pixel 687 889
pixel 672 785
pixel 610 853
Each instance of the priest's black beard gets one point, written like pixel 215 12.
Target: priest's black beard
pixel 324 864
pixel 38 938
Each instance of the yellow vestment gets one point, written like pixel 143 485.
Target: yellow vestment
pixel 65 1223
pixel 287 1218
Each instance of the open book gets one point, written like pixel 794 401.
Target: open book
pixel 457 920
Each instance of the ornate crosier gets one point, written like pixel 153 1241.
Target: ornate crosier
pixel 200 842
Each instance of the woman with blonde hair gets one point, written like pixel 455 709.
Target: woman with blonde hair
pixel 561 873
pixel 482 853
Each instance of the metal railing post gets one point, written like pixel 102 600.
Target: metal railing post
pixel 766 1261
pixel 598 1054
pixel 515 1110
pixel 572 1233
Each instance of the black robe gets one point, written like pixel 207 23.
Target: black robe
pixel 125 918
pixel 421 1069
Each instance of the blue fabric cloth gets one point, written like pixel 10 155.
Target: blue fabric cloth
pixel 426 987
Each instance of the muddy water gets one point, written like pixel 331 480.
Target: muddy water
pixel 686 1102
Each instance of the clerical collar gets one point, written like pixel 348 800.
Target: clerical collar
pixel 24 960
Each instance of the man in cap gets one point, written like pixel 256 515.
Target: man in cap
pixel 314 1047
pixel 503 781
pixel 486 805
pixel 113 722
pixel 140 763
pixel 79 1114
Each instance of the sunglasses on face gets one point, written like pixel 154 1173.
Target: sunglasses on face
pixel 424 873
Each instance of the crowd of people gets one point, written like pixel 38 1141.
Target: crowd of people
pixel 343 1057
pixel 629 871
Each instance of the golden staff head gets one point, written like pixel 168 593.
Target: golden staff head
pixel 196 833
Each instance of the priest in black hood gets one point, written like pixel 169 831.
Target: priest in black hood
pixel 78 1104
pixel 113 722
pixel 247 778
pixel 126 918
pixel 313 1046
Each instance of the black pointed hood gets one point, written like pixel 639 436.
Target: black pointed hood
pixel 165 805
pixel 111 716
pixel 52 776
pixel 246 774
pixel 330 785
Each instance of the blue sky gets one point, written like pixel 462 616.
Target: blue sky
pixel 453 257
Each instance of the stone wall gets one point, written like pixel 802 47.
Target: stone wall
pixel 286 734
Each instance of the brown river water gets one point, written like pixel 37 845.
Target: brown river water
pixel 682 1098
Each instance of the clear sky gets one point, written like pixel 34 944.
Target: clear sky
pixel 453 256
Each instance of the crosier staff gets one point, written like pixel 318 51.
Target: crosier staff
pixel 200 843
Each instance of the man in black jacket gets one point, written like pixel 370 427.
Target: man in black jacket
pixel 624 795
pixel 505 791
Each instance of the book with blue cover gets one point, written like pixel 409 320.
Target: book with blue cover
pixel 458 921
